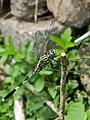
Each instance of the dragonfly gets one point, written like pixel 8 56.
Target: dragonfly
pixel 42 63
pixel 44 60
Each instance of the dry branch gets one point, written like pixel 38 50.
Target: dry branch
pixel 51 105
pixel 36 11
pixel 1 6
pixel 62 85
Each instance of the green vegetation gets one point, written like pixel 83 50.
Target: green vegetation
pixel 19 62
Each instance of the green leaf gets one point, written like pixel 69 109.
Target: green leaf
pixel 65 40
pixel 88 114
pixel 57 40
pixel 69 45
pixel 19 55
pixel 45 72
pixel 9 48
pixel 39 84
pixel 71 85
pixel 19 93
pixel 56 101
pixel 29 53
pixel 59 51
pixel 9 80
pixel 2 49
pixel 40 118
pixel 76 111
pixel 35 106
pixel 52 90
pixel 15 71
pixel 8 69
pixel 46 113
pixel 66 36
pixel 30 47
pixel 3 93
pixel 3 59
pixel 73 55
pixel 30 118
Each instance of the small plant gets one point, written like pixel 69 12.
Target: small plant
pixel 19 62
pixel 63 41
pixel 75 99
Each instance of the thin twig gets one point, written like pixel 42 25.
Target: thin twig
pixel 5 16
pixel 82 37
pixel 36 11
pixel 62 85
pixel 51 105
pixel 1 6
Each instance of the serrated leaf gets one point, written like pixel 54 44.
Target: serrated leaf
pixel 69 45
pixel 39 84
pixel 65 40
pixel 57 40
pixel 76 111
pixel 66 36
pixel 59 51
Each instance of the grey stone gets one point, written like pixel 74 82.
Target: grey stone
pixel 75 13
pixel 22 32
pixel 84 50
pixel 25 9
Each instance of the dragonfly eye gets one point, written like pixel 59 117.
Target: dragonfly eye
pixel 52 53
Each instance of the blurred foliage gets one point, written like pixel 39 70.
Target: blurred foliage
pixel 45 85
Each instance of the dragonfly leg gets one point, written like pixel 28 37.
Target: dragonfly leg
pixel 55 60
pixel 51 64
pixel 54 66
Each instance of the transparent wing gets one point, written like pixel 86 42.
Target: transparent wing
pixel 48 33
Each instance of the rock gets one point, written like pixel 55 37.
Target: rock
pixel 25 9
pixel 75 13
pixel 22 32
pixel 85 67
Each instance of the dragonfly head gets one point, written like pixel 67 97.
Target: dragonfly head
pixel 52 53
